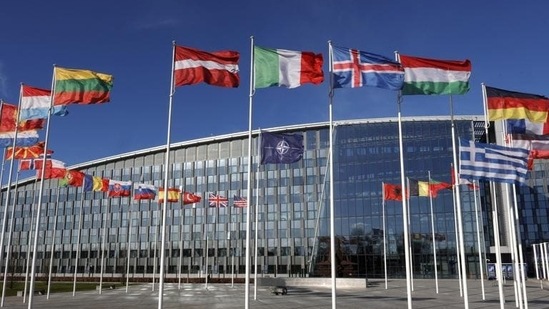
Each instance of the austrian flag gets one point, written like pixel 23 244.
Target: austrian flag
pixel 193 66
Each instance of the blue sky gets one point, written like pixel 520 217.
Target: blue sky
pixel 505 40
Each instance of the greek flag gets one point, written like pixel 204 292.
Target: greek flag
pixel 492 162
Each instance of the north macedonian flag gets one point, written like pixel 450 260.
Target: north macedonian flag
pixel 73 86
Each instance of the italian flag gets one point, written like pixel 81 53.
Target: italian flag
pixel 431 76
pixel 286 68
pixel 81 87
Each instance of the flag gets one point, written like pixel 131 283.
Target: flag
pixel 286 68
pixel 9 119
pixel 281 147
pixel 469 184
pixel 492 162
pixel 144 192
pixel 95 183
pixel 72 178
pixel 240 202
pixel 119 188
pixel 432 76
pixel 73 86
pixel 173 195
pixel 193 66
pixel 190 198
pixel 35 104
pixel 218 201
pixel 54 168
pixel 29 152
pixel 24 139
pixel 436 186
pixel 418 188
pixel 525 126
pixel 352 68
pixel 505 104
pixel 26 164
pixel 392 192
pixel 537 144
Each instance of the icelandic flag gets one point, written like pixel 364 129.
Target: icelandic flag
pixel 281 147
pixel 144 192
pixel 492 162
pixel 119 188
pixel 352 68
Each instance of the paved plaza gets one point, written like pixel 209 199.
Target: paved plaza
pixel 225 296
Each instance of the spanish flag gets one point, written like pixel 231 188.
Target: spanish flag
pixel 73 86
pixel 173 195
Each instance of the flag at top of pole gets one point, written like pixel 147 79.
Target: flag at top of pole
pixel 75 86
pixel 193 66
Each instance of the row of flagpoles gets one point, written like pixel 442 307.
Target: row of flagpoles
pixel 349 68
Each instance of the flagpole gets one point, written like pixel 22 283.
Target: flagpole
pixel 255 214
pixel 331 160
pixel 411 262
pixel 458 259
pixel 105 231
pixel 433 232
pixel 206 230
pixel 29 251
pixel 181 241
pixel 39 206
pixel 11 226
pixel 404 204
pixel 249 184
pixel 129 243
pixel 166 175
pixel 384 233
pixel 53 242
pixel 520 253
pixel 495 220
pixel 480 259
pixel 81 218
pixel 155 248
pixel 8 191
pixel 459 215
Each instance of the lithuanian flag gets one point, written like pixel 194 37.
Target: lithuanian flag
pixel 74 86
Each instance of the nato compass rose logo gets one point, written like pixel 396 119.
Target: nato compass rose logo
pixel 282 148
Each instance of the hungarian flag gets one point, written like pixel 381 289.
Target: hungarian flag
pixel 33 151
pixel 173 195
pixel 193 66
pixel 74 86
pixel 190 198
pixel 392 192
pixel 286 68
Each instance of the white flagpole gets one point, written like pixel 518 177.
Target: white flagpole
pixel 129 243
pixel 256 213
pixel 536 261
pixel 433 232
pixel 103 242
pixel 520 270
pixel 29 251
pixel 53 242
pixel 458 204
pixel 155 248
pixel 6 204
pixel 166 175
pixel 81 218
pixel 249 184
pixel 181 240
pixel 495 219
pixel 39 206
pixel 404 202
pixel 11 227
pixel 458 259
pixel 332 206
pixel 543 256
pixel 206 230
pixel 513 247
pixel 384 234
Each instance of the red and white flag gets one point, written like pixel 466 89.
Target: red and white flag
pixel 190 198
pixel 193 66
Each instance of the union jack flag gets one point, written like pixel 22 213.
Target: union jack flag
pixel 353 68
pixel 240 202
pixel 218 201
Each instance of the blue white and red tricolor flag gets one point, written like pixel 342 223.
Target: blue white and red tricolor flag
pixel 524 126
pixel 352 68
pixel 218 201
pixel 239 202
pixel 119 188
pixel 144 191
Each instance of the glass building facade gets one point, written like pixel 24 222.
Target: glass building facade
pixel 94 233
